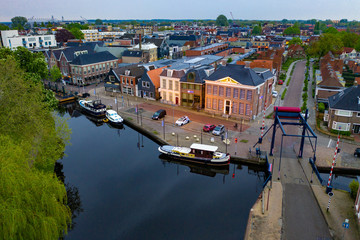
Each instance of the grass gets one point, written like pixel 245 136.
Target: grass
pixel 283 94
pixel 288 81
pixel 155 132
pixel 244 140
pixel 130 118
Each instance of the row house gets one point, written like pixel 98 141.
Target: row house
pixel 238 92
pixel 149 84
pixel 344 110
pixel 92 68
pixel 148 48
pixel 348 52
pixel 170 85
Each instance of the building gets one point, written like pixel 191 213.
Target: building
pixel 129 78
pixel 12 40
pixel 92 68
pixel 162 46
pixel 149 84
pixel 210 49
pixel 135 57
pixel 170 85
pixel 344 110
pixel 237 91
pixel 147 48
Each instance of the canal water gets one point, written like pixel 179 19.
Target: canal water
pixel 119 188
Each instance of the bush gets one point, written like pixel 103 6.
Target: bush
pixel 283 94
pixel 305 96
pixel 321 107
pixel 343 133
pixel 354 186
pixel 282 76
pixel 288 81
pixel 304 106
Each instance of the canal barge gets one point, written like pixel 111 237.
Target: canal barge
pixel 93 107
pixel 198 153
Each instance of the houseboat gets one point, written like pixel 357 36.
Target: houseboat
pixel 93 107
pixel 199 153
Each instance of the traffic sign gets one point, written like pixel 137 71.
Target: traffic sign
pixel 345 225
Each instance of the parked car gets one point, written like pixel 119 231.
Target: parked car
pixel 280 82
pixel 159 114
pixel 220 129
pixel 275 94
pixel 357 152
pixel 303 115
pixel 209 127
pixel 182 121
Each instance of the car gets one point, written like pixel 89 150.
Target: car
pixel 275 94
pixel 159 114
pixel 209 127
pixel 303 115
pixel 357 152
pixel 280 82
pixel 218 130
pixel 182 121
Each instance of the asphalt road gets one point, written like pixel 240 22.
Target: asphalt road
pixel 301 213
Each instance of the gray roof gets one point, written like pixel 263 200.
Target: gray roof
pixel 199 74
pixel 85 59
pixel 134 70
pixel 116 51
pixel 239 73
pixel 207 47
pixel 347 99
pixel 70 52
pixel 128 53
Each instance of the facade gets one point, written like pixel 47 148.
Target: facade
pixel 12 40
pixel 192 90
pixel 91 68
pixel 344 110
pixel 170 85
pixel 162 46
pixel 149 48
pixel 237 91
pixel 149 84
pixel 135 57
pixel 210 49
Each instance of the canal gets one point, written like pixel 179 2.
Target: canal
pixel 119 188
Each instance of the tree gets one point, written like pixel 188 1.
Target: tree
pixel 294 30
pixel 354 186
pixel 229 60
pixel 35 25
pixel 98 22
pixel 221 20
pixel 63 35
pixel 77 33
pixel 327 42
pixel 357 46
pixel 256 30
pixel 349 39
pixel 55 74
pixel 331 30
pixel 19 22
pixel 3 27
pixel 295 41
pixel 33 199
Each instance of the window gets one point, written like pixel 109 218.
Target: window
pixel 143 84
pixel 249 95
pixel 241 108
pixel 177 86
pixel 93 69
pixel 208 89
pixel 132 81
pixel 234 107
pixel 170 84
pixel 341 126
pixel 170 96
pixel 183 85
pixel 220 105
pixel 358 114
pixel 215 90
pixel 228 92
pixel 221 91
pixel 247 111
pixel 197 87
pixel 214 103
pixel 147 84
pixel 127 81
pixel 190 86
pixel 343 113
pixel 208 103
pixel 97 68
pixel 242 94
pixel 235 93
pixel 163 83
pixel 163 94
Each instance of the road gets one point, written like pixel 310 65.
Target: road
pixel 302 217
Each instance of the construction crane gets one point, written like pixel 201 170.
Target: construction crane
pixel 233 20
pixel 85 20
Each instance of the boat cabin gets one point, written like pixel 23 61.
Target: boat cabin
pixel 203 150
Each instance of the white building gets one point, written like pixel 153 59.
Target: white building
pixel 12 39
pixel 94 35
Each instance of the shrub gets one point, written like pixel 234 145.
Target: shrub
pixel 304 106
pixel 282 76
pixel 321 107
pixel 244 140
pixel 354 186
pixel 288 81
pixel 305 96
pixel 343 133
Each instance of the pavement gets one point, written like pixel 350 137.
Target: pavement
pixel 297 213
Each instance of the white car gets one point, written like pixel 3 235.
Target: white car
pixel 303 115
pixel 275 94
pixel 182 121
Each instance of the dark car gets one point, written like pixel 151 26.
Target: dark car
pixel 209 127
pixel 159 114
pixel 357 152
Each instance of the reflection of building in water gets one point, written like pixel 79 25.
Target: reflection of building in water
pixel 201 169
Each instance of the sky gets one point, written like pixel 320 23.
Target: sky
pixel 184 9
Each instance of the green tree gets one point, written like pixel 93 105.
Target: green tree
pixel 295 41
pixel 32 202
pixel 357 46
pixel 349 39
pixel 331 30
pixel 3 27
pixel 19 22
pixel 327 42
pixel 354 186
pixel 98 22
pixel 77 33
pixel 35 25
pixel 55 74
pixel 229 60
pixel 256 30
pixel 291 31
pixel 42 24
pixel 221 20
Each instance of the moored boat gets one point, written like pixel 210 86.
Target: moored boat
pixel 114 117
pixel 93 107
pixel 199 153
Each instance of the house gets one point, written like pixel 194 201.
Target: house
pixel 348 53
pixel 210 49
pixel 237 91
pixel 91 68
pixel 112 79
pixel 68 55
pixel 296 51
pixel 147 48
pixel 170 85
pixel 192 90
pixel 183 40
pixel 344 110
pixel 149 84
pixel 161 44
pixel 131 56
pixel 12 39
pixel 129 77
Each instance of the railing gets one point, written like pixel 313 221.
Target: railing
pixel 311 161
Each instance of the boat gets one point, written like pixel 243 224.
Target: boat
pixel 93 107
pixel 114 117
pixel 199 153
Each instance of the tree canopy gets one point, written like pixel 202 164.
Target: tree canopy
pixel 32 199
pixel 256 30
pixel 3 27
pixel 63 35
pixel 291 31
pixel 327 42
pixel 76 32
pixel 19 22
pixel 55 73
pixel 295 41
pixel 221 20
pixel 98 22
